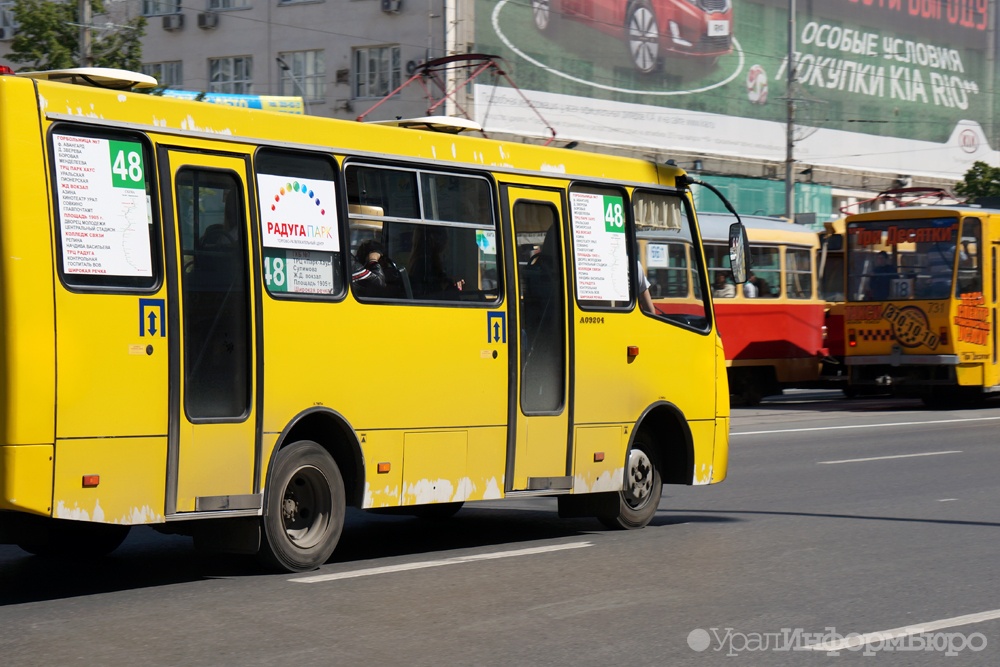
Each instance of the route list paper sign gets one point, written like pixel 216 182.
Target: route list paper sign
pixel 104 211
pixel 599 247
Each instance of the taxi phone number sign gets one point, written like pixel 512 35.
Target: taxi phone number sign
pixel 910 326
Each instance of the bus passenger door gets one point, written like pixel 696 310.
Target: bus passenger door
pixel 538 456
pixel 212 453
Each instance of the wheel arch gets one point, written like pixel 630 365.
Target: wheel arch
pixel 331 430
pixel 664 425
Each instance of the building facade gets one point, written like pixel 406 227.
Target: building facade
pixel 886 94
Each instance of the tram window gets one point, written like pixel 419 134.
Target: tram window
pixel 766 266
pixel 437 230
pixel 798 273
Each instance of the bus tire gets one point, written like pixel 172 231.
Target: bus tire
pixel 304 513
pixel 78 539
pixel 641 490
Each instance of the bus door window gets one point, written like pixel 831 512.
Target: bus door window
pixel 798 273
pixel 970 278
pixel 215 294
pixel 541 310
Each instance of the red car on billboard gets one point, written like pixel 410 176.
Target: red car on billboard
pixel 652 28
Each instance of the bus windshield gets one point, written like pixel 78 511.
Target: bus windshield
pixel 911 258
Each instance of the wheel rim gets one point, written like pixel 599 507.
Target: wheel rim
pixel 540 9
pixel 639 483
pixel 306 507
pixel 643 39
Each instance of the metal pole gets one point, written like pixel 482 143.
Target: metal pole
pixel 86 18
pixel 295 80
pixel 790 119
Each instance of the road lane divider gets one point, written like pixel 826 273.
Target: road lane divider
pixel 895 456
pixel 405 567
pixel 839 428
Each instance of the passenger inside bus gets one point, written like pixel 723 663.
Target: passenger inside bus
pixel 367 275
pixel 428 275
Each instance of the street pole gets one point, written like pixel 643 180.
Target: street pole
pixel 790 118
pixel 86 18
pixel 295 80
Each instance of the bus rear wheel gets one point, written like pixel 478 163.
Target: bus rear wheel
pixel 642 489
pixel 304 513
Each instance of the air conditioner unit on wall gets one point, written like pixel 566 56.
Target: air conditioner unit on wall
pixel 173 21
pixel 391 6
pixel 207 20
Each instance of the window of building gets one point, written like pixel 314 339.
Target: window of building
pixel 231 75
pixel 376 71
pixel 228 4
pixel 305 76
pixel 168 74
pixel 159 7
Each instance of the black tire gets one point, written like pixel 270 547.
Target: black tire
pixel 71 539
pixel 543 13
pixel 642 33
pixel 304 512
pixel 642 488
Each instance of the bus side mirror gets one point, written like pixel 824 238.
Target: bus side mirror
pixel 738 249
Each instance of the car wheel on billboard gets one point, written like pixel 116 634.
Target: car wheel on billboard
pixel 543 13
pixel 643 34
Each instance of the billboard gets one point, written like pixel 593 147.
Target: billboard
pixel 895 86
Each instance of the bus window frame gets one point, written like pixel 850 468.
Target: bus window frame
pixel 419 170
pixel 631 247
pixel 697 266
pixel 340 207
pixel 104 284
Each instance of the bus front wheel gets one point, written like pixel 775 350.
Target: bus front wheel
pixel 643 486
pixel 304 514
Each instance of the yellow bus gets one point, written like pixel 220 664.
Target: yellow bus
pixel 182 345
pixel 921 310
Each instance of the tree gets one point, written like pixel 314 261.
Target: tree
pixel 48 36
pixel 981 180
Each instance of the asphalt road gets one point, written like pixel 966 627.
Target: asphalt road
pixel 839 519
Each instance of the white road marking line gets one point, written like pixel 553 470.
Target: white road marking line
pixel 947 500
pixel 388 569
pixel 836 428
pixel 917 629
pixel 883 458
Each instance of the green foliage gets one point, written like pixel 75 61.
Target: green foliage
pixel 48 37
pixel 981 180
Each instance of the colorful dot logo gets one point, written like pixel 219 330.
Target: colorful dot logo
pixel 297 189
